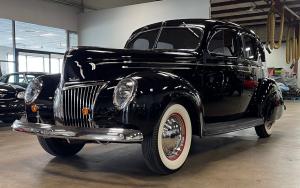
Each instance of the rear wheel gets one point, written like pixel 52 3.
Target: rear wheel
pixel 265 130
pixel 60 147
pixel 167 148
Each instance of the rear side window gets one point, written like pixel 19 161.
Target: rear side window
pixel 179 38
pixel 144 41
pixel 250 51
pixel 223 42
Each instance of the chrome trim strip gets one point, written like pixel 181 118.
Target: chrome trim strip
pixel 86 134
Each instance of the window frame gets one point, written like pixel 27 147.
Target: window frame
pixel 222 29
pixel 160 29
pixel 255 50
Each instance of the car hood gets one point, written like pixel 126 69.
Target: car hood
pixel 4 87
pixel 93 63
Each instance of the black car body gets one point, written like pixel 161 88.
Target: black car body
pixel 12 90
pixel 20 78
pixel 11 102
pixel 174 79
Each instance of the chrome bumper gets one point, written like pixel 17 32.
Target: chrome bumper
pixel 87 134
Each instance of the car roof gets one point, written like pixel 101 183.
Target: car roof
pixel 207 23
pixel 38 73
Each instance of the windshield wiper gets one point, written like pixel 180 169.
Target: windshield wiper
pixel 186 26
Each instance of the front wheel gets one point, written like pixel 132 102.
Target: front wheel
pixel 60 147
pixel 167 148
pixel 265 130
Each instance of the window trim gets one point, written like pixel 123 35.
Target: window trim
pixel 244 52
pixel 160 29
pixel 216 30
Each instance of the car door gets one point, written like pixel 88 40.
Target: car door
pixel 222 88
pixel 249 68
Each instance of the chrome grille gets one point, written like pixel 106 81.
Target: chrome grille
pixel 75 98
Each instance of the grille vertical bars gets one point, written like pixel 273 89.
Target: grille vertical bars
pixel 76 98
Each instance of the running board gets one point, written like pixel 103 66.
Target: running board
pixel 230 126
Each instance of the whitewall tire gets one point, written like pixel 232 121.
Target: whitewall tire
pixel 265 130
pixel 166 150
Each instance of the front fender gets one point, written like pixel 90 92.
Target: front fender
pixel 154 92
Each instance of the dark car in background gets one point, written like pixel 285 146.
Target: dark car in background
pixel 20 78
pixel 12 89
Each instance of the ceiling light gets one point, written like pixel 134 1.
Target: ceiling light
pixel 48 35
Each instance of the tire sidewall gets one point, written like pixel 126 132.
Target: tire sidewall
pixel 174 164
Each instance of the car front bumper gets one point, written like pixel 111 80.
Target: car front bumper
pixel 118 135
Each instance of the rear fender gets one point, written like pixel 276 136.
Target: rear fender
pixel 267 101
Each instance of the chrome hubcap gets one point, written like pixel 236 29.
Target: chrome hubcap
pixel 173 136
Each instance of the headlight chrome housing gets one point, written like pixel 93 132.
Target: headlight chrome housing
pixel 33 90
pixel 21 95
pixel 124 93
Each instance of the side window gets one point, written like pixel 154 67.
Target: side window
pixel 30 77
pixel 16 79
pixel 223 42
pixel 144 41
pixel 250 50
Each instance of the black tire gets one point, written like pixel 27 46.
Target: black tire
pixel 265 130
pixel 8 120
pixel 153 145
pixel 60 147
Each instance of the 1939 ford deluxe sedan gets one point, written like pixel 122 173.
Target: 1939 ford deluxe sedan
pixel 172 80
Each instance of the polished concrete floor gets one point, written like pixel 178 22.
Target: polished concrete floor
pixel 238 159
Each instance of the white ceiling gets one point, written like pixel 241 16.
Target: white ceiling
pixel 101 4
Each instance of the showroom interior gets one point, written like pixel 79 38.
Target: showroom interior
pixel 76 54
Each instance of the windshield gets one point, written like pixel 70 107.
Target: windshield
pixel 181 38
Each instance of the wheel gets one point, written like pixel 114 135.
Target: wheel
pixel 265 130
pixel 60 147
pixel 167 148
pixel 8 120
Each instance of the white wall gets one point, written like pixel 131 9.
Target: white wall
pixel 40 12
pixel 112 27
pixel 277 58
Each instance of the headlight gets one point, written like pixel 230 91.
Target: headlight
pixel 124 93
pixel 33 90
pixel 21 95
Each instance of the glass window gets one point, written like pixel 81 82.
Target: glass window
pixel 6 47
pixel 144 41
pixel 73 39
pixel 223 42
pixel 179 38
pixel 16 79
pixel 249 48
pixel 35 64
pixel 56 63
pixel 30 77
pixel 42 38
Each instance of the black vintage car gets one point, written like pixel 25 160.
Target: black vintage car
pixel 12 90
pixel 174 79
pixel 20 78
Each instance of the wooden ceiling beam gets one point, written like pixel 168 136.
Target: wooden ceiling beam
pixel 225 3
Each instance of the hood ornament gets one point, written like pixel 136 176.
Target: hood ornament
pixel 93 66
